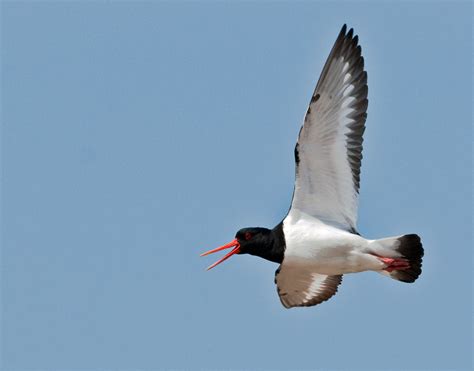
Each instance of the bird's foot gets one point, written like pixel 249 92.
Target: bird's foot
pixel 394 264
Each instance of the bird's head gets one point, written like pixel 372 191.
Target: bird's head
pixel 254 241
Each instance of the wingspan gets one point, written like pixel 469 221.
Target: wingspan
pixel 329 150
pixel 299 286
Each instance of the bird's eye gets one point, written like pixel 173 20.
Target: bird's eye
pixel 248 235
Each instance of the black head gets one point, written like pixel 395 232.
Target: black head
pixel 254 241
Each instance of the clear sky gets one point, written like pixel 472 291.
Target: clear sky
pixel 136 135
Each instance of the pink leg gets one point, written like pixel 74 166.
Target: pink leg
pixel 394 263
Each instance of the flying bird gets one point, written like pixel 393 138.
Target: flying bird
pixel 317 242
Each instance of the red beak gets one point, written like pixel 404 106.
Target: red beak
pixel 236 248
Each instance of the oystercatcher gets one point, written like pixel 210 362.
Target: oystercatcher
pixel 317 242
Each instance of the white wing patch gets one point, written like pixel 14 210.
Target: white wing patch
pixel 299 286
pixel 329 149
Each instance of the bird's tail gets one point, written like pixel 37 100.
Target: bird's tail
pixel 402 255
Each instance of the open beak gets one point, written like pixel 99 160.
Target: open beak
pixel 236 248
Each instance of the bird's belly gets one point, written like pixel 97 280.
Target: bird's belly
pixel 337 260
pixel 327 250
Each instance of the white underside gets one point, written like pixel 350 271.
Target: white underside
pixel 326 249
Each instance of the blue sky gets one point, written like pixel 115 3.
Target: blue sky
pixel 136 135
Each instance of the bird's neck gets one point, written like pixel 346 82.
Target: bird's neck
pixel 274 245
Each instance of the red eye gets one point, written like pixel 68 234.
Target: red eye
pixel 248 235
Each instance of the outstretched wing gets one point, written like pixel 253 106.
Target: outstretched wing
pixel 299 286
pixel 329 150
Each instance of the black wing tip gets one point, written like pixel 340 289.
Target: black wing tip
pixel 347 45
pixel 349 35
